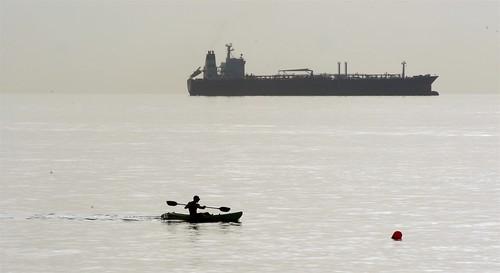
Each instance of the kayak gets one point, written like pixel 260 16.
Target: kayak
pixel 203 217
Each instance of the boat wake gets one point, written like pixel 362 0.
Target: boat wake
pixel 93 217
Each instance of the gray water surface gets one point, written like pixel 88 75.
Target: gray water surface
pixel 322 181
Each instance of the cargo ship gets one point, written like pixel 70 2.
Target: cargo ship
pixel 229 79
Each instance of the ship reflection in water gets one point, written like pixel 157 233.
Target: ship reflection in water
pixel 229 79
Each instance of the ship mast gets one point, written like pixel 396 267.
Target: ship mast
pixel 229 49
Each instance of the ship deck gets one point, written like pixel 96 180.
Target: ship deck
pixel 355 76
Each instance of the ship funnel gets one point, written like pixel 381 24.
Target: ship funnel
pixel 345 68
pixel 210 69
pixel 403 72
pixel 338 65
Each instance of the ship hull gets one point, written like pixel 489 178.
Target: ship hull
pixel 313 86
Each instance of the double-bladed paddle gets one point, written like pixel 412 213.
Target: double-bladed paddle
pixel 224 209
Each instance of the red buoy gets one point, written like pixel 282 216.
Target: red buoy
pixel 397 235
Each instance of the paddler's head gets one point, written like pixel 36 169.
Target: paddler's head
pixel 196 198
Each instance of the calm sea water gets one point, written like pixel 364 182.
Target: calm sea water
pixel 322 181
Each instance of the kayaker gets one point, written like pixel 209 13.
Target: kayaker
pixel 193 206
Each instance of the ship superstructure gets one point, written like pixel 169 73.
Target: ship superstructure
pixel 229 79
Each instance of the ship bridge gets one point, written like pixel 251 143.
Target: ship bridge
pixel 232 68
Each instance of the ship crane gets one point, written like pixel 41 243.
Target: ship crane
pixel 298 70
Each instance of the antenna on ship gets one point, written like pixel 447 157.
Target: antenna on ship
pixel 404 66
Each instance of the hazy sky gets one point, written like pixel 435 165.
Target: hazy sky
pixel 153 46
